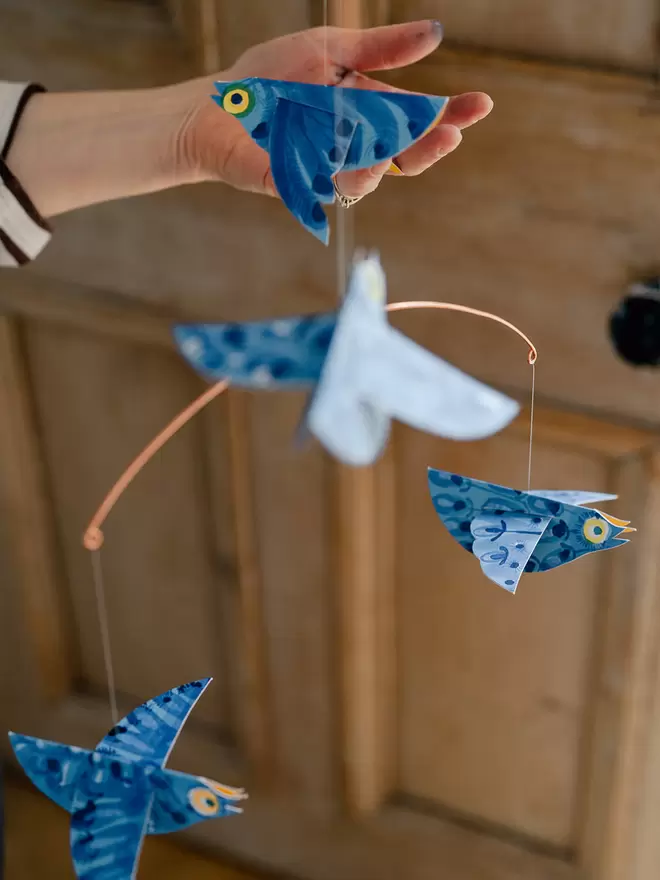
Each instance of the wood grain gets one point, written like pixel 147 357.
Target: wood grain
pixel 610 33
pixel 364 546
pixel 27 510
pixel 494 688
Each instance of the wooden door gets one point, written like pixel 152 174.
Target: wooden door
pixel 392 713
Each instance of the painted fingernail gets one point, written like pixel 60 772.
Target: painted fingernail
pixel 438 29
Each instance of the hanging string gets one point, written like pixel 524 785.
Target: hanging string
pixel 102 610
pixel 531 428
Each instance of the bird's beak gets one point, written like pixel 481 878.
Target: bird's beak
pixel 629 530
pixel 236 794
pixel 613 521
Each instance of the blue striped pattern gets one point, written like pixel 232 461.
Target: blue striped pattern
pixel 110 814
pixel 312 131
pixel 150 731
pixel 120 792
pixel 52 767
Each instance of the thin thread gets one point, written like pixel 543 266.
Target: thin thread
pixel 325 43
pixel 97 573
pixel 531 429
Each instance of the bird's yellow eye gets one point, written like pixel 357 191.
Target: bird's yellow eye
pixel 203 801
pixel 596 530
pixel 238 101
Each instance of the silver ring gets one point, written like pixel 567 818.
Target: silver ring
pixel 344 201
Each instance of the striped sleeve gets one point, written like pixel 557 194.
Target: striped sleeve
pixel 23 231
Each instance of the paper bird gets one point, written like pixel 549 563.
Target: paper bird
pixel 362 371
pixel 311 132
pixel 511 531
pixel 121 791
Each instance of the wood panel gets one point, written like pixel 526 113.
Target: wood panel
pixel 611 33
pixel 494 688
pixel 98 404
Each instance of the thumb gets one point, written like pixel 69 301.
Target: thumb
pixel 383 48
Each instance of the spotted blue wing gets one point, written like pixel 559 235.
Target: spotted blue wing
pixel 388 123
pixel 279 353
pixel 150 731
pixel 109 820
pixel 307 146
pixel 415 386
pixel 504 544
pixel 569 496
pixel 52 767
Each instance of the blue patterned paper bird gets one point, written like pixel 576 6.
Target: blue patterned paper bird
pixel 511 531
pixel 311 132
pixel 362 372
pixel 121 791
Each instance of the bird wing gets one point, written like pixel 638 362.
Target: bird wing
pixel 504 544
pixel 415 386
pixel 307 146
pixel 51 766
pixel 109 821
pixel 569 496
pixel 149 732
pixel 278 353
pixel 387 122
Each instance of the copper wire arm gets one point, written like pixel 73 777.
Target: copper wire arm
pixel 93 537
pixel 453 307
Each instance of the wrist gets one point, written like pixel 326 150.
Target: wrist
pixel 76 149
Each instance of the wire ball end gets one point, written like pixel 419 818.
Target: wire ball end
pixel 93 539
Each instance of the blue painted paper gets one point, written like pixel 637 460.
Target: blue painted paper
pixel 511 531
pixel 362 372
pixel 121 791
pixel 311 132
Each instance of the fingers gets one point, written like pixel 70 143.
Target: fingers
pixel 383 48
pixel 435 145
pixel 361 183
pixel 461 110
pixel 466 109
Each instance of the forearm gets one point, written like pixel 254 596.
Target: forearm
pixel 77 149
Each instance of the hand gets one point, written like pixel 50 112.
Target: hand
pixel 213 145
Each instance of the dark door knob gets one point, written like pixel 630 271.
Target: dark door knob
pixel 635 325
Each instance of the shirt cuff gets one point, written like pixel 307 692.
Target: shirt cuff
pixel 23 231
pixel 13 99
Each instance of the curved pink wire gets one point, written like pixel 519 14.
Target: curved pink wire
pixel 454 307
pixel 93 537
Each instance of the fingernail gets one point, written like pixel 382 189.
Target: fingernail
pixel 438 29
